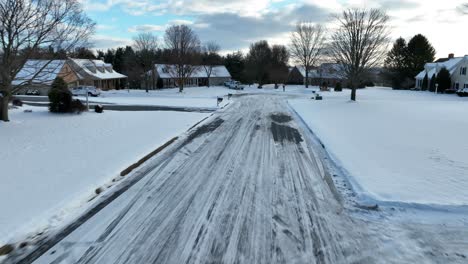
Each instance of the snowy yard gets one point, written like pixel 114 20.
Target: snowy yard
pixel 203 97
pixel 54 163
pixel 397 146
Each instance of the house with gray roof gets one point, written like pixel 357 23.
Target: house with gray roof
pixel 457 66
pixel 166 75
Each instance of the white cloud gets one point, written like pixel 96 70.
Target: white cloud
pixel 109 42
pixel 146 28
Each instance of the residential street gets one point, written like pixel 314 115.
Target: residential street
pixel 247 186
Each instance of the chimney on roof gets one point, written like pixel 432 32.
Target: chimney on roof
pixel 451 56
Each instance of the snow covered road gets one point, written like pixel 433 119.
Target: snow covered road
pixel 245 187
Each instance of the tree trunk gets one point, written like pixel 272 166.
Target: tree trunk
pixel 353 93
pixel 181 86
pixel 4 108
pixel 307 78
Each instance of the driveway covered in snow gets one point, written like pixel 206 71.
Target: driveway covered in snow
pixel 247 186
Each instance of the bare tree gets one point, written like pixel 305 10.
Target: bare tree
pixel 307 45
pixel 210 58
pixel 146 41
pixel 146 46
pixel 359 43
pixel 29 25
pixel 184 47
pixel 279 71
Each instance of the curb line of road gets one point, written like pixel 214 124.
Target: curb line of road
pixel 138 170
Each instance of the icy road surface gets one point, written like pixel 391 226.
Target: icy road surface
pixel 246 187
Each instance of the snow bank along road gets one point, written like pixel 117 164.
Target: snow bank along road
pixel 246 187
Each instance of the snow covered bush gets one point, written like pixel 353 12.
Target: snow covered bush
pixel 77 106
pixel 17 102
pixel 60 97
pixel 98 109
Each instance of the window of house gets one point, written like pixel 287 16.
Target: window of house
pixel 465 86
pixel 463 71
pixel 457 85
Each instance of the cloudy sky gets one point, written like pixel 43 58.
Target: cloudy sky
pixel 234 24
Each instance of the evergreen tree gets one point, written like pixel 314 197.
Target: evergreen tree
pixel 397 64
pixel 444 80
pixel 259 62
pixel 118 59
pixel 420 52
pixel 235 64
pixel 109 56
pixel 60 97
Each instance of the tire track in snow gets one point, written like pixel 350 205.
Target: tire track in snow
pixel 238 194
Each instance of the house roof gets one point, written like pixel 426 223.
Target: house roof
pixel 220 71
pixel 312 72
pixel 96 69
pixel 326 71
pixel 434 67
pixel 39 72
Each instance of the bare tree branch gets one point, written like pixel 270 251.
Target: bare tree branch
pixel 29 25
pixel 359 43
pixel 307 45
pixel 210 58
pixel 184 47
pixel 146 41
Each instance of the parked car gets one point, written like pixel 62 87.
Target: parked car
pixel 82 90
pixel 450 91
pixel 235 85
pixel 462 92
pixel 33 92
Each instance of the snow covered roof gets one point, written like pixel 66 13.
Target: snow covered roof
pixel 166 71
pixel 326 71
pixel 39 72
pixel 97 69
pixel 312 72
pixel 432 68
pixel 331 71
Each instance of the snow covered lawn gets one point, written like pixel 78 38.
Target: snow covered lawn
pixel 202 97
pixel 51 164
pixel 397 146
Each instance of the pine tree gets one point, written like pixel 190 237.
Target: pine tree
pixel 444 80
pixel 397 63
pixel 420 52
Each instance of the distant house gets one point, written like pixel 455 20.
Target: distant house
pixel 297 75
pixel 166 75
pixel 457 66
pixel 39 74
pixel 97 73
pixel 329 73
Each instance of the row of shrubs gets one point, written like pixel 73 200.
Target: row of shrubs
pixel 339 86
pixel 61 99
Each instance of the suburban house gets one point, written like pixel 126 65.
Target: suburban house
pixel 39 74
pixel 329 73
pixel 166 75
pixel 457 66
pixel 97 73
pixel 297 75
